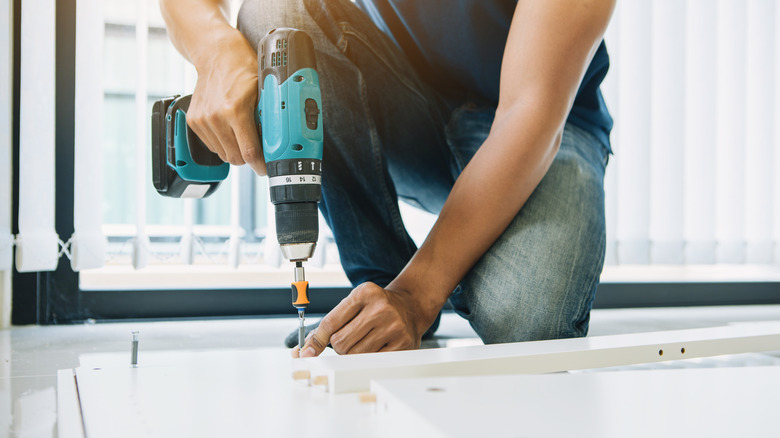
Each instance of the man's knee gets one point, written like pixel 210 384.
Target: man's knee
pixel 553 310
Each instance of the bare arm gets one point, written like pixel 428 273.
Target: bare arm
pixel 222 107
pixel 548 50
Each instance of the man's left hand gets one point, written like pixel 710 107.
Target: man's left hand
pixel 370 319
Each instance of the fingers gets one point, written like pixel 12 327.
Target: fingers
pixel 230 133
pixel 198 124
pixel 249 141
pixel 370 343
pixel 318 339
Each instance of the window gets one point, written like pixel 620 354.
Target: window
pixel 693 191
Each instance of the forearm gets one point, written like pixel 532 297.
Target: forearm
pixel 194 26
pixel 487 196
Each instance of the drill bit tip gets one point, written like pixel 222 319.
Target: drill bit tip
pixel 301 329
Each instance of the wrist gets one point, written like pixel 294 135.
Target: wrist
pixel 426 300
pixel 223 41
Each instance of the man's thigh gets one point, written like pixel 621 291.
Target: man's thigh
pixel 539 279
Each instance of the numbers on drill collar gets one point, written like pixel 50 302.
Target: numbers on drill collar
pixel 284 180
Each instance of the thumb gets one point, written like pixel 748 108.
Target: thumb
pixel 334 321
pixel 315 343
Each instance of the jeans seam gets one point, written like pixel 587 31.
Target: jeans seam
pixel 347 29
pixel 594 281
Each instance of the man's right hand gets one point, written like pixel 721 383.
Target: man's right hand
pixel 222 109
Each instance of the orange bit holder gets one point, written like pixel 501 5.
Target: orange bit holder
pixel 300 293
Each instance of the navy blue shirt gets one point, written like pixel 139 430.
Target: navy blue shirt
pixel 457 46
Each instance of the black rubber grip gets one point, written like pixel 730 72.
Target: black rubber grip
pixel 296 193
pixel 297 223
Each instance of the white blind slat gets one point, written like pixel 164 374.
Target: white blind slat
pixel 730 133
pixel 6 72
pixel 88 245
pixel 236 232
pixel 632 142
pixel 776 124
pixel 699 156
pixel 187 244
pixel 667 135
pixel 141 242
pixel 759 115
pixel 37 241
pixel 609 89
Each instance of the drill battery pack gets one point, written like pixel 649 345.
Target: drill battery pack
pixel 182 166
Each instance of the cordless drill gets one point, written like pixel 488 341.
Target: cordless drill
pixel 289 121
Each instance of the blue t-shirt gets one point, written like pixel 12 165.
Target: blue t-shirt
pixel 457 47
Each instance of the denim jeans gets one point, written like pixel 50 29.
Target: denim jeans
pixel 388 135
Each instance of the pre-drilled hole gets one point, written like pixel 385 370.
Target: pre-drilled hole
pixel 660 352
pixel 682 350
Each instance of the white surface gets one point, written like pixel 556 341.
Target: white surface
pixel 30 356
pixel 716 402
pixel 354 373
pixel 234 392
pixel 229 393
pixel 37 248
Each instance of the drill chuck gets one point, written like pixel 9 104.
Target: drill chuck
pixel 295 191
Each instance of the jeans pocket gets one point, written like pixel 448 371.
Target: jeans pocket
pixel 350 32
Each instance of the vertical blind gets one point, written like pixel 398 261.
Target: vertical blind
pixel 695 178
pixel 6 102
pixel 88 244
pixel 38 245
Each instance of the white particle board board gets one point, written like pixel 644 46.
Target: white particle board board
pixel 69 424
pixel 354 373
pixel 212 393
pixel 712 402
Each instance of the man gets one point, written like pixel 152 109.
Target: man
pixel 487 112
